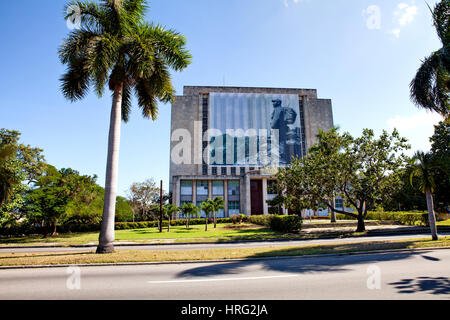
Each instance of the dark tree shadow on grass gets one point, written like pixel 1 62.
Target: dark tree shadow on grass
pixel 437 285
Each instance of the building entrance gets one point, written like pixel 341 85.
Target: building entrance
pixel 256 197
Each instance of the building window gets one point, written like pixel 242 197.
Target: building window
pixel 302 124
pixel 201 212
pixel 202 188
pixel 234 207
pixel 339 203
pixel 186 188
pixel 205 170
pixel 224 171
pixel 233 171
pixel 233 188
pixel 217 188
pixel 205 116
pixel 242 171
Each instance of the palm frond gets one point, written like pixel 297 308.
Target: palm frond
pixel 92 17
pixel 168 44
pixel 427 89
pixel 135 8
pixel 75 45
pixel 101 56
pixel 126 102
pixel 146 99
pixel 422 168
pixel 75 82
pixel 441 20
pixel 116 46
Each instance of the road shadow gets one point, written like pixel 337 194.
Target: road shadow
pixel 437 285
pixel 296 264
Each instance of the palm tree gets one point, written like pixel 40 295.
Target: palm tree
pixel 208 207
pixel 189 210
pixel 169 210
pixel 431 85
pixel 115 46
pixel 422 168
pixel 218 203
pixel 7 177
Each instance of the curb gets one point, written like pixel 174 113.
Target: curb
pixel 371 234
pixel 356 253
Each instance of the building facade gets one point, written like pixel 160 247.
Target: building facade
pixel 229 141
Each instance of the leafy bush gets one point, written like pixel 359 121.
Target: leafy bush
pixel 286 223
pixel 260 220
pixel 26 228
pixel 405 218
pixel 278 223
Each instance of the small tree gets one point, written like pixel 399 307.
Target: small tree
pixel 422 168
pixel 189 210
pixel 142 196
pixel 7 177
pixel 169 210
pixel 362 170
pixel 208 207
pixel 218 203
pixel 54 191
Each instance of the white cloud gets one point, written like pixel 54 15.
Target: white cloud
pixel 286 2
pixel 404 14
pixel 417 128
pixel 395 32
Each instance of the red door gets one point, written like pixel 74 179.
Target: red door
pixel 256 197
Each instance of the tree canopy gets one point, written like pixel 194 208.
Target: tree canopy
pixel 361 170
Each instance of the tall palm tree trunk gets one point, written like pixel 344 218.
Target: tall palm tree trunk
pixel 106 237
pixel 431 216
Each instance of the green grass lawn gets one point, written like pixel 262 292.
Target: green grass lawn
pixel 223 232
pixel 121 256
pixel 444 223
pixel 195 233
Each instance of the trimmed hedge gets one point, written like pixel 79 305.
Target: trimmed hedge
pixel 260 220
pixel 276 223
pixel 26 229
pixel 406 218
pixel 284 224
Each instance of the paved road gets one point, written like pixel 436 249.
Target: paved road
pixel 403 275
pixel 225 245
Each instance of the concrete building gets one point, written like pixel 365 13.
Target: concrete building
pixel 229 141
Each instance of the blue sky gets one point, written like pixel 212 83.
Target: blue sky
pixel 361 54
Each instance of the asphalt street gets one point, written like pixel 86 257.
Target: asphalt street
pixel 399 275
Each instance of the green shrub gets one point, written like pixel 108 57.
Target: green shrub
pixel 286 223
pixel 27 229
pixel 278 223
pixel 260 220
pixel 405 218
